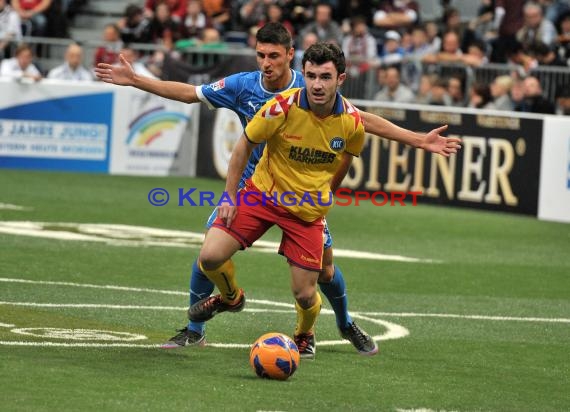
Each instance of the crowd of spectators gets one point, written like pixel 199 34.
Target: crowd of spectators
pixel 386 37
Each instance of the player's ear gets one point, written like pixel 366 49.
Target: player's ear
pixel 341 78
pixel 291 53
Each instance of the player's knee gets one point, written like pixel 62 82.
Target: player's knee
pixel 326 275
pixel 209 259
pixel 305 297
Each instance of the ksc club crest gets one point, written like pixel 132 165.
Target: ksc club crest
pixel 337 144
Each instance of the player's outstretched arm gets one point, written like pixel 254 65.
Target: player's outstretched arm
pixel 124 75
pixel 240 154
pixel 432 142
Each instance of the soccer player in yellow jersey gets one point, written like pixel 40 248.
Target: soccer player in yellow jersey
pixel 312 134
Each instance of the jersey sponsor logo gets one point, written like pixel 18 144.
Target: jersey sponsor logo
pixel 310 156
pixel 253 106
pixel 337 144
pixel 219 85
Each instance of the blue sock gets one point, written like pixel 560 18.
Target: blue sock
pixel 335 291
pixel 200 287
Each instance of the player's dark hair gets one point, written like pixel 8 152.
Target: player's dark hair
pixel 321 53
pixel 274 33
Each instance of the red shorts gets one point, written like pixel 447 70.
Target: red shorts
pixel 301 243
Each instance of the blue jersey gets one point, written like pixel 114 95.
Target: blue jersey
pixel 244 94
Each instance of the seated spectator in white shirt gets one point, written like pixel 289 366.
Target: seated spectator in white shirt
pixel 72 69
pixel 21 66
pixel 394 90
pixel 501 92
pixel 10 26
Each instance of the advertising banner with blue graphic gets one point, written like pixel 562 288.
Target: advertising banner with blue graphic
pixel 95 127
pixel 153 136
pixel 45 126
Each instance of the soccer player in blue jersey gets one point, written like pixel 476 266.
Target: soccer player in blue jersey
pixel 245 93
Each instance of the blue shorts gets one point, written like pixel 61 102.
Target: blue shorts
pixel 326 233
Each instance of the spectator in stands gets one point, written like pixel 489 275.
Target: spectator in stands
pixel 298 12
pixel 32 15
pixel 480 96
pixel 420 44
pixel 508 20
pixel 450 50
pixel 347 10
pixel 563 100
pixel 439 95
pixel 536 28
pixel 134 26
pixel 324 26
pixel 195 21
pixel 482 25
pixel 274 14
pixel 392 52
pixel 359 44
pixel 72 69
pixel 563 40
pixel 109 53
pixel 396 14
pixel 517 55
pixel 456 90
pixel 423 95
pixel 10 26
pixel 476 53
pixel 544 55
pixel 21 66
pixel 212 39
pixel 253 11
pixel 380 78
pixel 164 30
pixel 434 38
pixel 501 93
pixel 308 40
pixel 177 8
pixel 220 13
pixel 394 90
pixel 452 22
pixel 534 101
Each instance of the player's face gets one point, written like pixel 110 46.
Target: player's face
pixel 274 61
pixel 322 82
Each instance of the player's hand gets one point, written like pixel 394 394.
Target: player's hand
pixel 122 74
pixel 436 143
pixel 227 213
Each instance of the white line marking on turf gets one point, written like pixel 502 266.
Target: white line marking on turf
pixel 269 303
pixel 9 206
pixel 473 317
pixel 126 235
pixel 6 325
pixel 87 285
pixel 79 334
pixel 423 410
pixel 77 344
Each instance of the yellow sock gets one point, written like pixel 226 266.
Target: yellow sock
pixel 306 318
pixel 224 278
